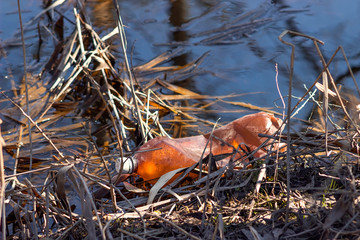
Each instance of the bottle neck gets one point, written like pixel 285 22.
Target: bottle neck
pixel 126 165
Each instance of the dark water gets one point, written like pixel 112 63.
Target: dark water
pixel 239 61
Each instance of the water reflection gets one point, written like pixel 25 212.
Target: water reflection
pixel 239 62
pixel 178 15
pixel 102 13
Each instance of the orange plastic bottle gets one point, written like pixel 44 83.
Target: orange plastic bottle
pixel 162 154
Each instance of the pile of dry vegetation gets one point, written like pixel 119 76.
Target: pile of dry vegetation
pixel 87 108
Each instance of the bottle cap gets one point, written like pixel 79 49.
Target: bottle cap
pixel 128 165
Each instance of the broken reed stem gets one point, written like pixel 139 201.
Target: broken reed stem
pixel 350 70
pixel 80 35
pixel 288 140
pixel 314 83
pixel 335 88
pixel 124 48
pixel 278 89
pixel 325 110
pixel 47 213
pixel 26 83
pixel 320 75
pixel 325 69
pixel 283 117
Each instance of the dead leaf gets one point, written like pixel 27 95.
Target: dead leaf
pixel 60 186
pixel 164 179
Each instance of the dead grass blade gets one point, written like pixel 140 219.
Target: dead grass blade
pixel 250 106
pixel 60 188
pixel 161 182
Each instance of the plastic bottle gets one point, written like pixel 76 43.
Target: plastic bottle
pixel 162 154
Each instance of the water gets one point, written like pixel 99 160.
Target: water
pixel 242 62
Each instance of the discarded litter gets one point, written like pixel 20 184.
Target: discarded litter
pixel 162 154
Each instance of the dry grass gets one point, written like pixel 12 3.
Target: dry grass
pixel 86 109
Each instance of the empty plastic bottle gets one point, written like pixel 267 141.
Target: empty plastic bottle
pixel 162 154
